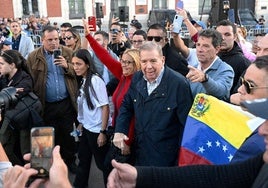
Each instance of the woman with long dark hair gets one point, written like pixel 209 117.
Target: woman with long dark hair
pixel 93 114
pixel 14 73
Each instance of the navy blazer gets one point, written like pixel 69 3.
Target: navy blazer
pixel 159 117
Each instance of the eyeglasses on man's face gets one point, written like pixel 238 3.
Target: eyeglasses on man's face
pixel 249 86
pixel 155 38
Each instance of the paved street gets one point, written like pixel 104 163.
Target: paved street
pixel 95 177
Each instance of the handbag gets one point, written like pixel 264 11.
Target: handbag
pixel 26 114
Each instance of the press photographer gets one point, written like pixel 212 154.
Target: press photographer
pixel 119 43
pixel 20 107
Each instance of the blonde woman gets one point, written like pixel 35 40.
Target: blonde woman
pixel 123 70
pixel 72 39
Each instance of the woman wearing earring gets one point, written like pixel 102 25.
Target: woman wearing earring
pixel 93 114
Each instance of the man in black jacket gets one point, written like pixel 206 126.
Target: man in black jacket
pixel 231 53
pixel 173 59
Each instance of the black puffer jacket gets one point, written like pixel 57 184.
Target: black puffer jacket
pixel 236 59
pixel 174 60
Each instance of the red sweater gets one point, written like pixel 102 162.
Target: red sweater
pixel 124 81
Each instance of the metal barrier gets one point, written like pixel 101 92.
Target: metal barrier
pixel 36 40
pixel 252 32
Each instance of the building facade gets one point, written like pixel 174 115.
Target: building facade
pixel 73 10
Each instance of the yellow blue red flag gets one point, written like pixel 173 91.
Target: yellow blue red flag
pixel 214 131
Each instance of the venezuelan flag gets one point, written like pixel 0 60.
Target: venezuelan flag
pixel 214 131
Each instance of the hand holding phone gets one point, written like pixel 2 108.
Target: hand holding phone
pixel 42 144
pixel 177 22
pixel 92 23
pixel 56 53
pixel 179 5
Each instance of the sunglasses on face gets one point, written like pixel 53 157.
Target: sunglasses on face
pixel 67 38
pixel 156 38
pixel 248 86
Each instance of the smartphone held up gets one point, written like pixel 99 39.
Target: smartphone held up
pixel 179 5
pixel 177 22
pixel 92 23
pixel 56 53
pixel 42 144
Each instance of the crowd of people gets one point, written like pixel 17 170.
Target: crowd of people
pixel 130 96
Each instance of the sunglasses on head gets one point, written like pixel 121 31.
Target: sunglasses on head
pixel 3 53
pixel 156 38
pixel 67 38
pixel 248 86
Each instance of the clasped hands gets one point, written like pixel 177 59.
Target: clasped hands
pixel 119 141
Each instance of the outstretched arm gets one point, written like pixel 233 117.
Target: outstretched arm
pixel 112 64
pixel 202 176
pixel 192 30
pixel 123 175
pixel 179 43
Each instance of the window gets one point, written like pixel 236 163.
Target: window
pixel 25 7
pixel 35 7
pixel 76 8
pixel 204 7
pixel 159 4
pixel 30 7
pixel 117 3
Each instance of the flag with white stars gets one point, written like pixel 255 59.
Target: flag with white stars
pixel 214 131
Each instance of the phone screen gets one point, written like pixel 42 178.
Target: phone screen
pixel 92 23
pixel 56 53
pixel 179 5
pixel 42 144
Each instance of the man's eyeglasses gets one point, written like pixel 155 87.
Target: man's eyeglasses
pixel 137 41
pixel 67 38
pixel 248 86
pixel 123 62
pixel 156 38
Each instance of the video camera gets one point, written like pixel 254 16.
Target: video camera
pixel 8 98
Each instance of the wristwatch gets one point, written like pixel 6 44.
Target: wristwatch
pixel 206 78
pixel 103 131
